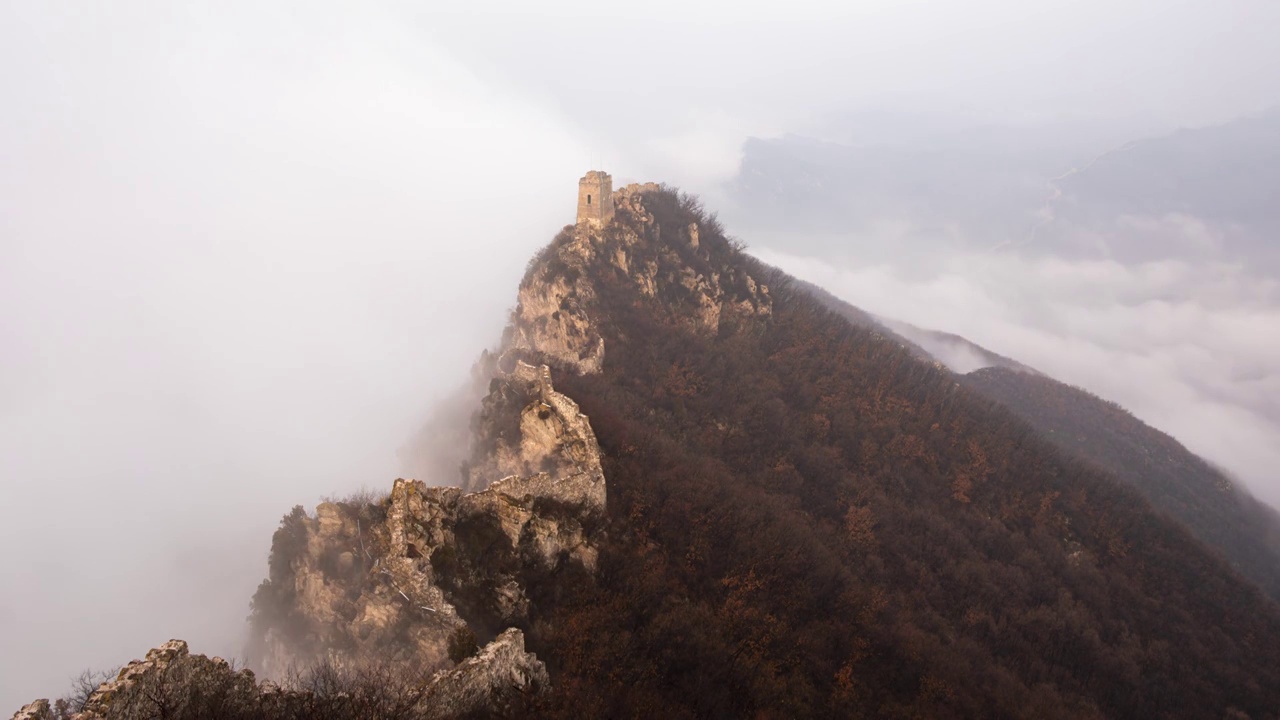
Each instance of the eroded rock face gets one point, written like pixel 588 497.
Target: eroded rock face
pixel 169 682
pixel 552 318
pixel 501 680
pixel 498 681
pixel 555 320
pixel 527 429
pixel 674 272
pixel 403 579
pixel 140 674
pixel 342 598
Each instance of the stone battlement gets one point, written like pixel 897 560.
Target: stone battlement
pixel 595 199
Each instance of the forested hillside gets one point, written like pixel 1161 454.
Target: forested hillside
pixel 1174 479
pixel 807 520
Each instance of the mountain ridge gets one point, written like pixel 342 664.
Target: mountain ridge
pixel 702 399
pixel 803 518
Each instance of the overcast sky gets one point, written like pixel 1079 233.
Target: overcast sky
pixel 245 245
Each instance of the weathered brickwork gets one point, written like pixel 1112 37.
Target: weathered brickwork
pixel 595 199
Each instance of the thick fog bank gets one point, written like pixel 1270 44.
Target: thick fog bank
pixel 240 256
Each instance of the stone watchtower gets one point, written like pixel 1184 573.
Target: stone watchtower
pixel 595 199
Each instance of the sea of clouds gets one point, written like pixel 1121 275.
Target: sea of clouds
pixel 1190 346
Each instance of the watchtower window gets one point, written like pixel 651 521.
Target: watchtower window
pixel 588 199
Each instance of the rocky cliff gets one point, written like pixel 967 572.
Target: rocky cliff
pixel 418 576
pixel 414 577
pixel 437 582
pixel 410 578
pixel 558 319
pixel 410 585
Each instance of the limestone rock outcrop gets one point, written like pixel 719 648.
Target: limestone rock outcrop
pixel 402 579
pixel 169 681
pixel 498 681
pixel 552 318
pixel 501 680
pixel 556 320
pixel 527 429
pixel 158 660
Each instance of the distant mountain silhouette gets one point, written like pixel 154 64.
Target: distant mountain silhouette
pixel 921 181
pixel 1214 190
pixel 1204 193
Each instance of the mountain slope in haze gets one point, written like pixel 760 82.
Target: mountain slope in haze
pixel 1173 479
pixel 942 173
pixel 952 350
pixel 1218 183
pixel 1170 477
pixel 1126 195
pixel 1221 172
pixel 1245 530
pixel 881 186
pixel 1224 173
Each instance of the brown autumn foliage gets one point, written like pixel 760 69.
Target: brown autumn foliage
pixel 1172 478
pixel 808 521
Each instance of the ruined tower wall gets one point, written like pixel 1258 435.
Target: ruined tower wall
pixel 595 199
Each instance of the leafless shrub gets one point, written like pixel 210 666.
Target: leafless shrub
pixel 81 688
